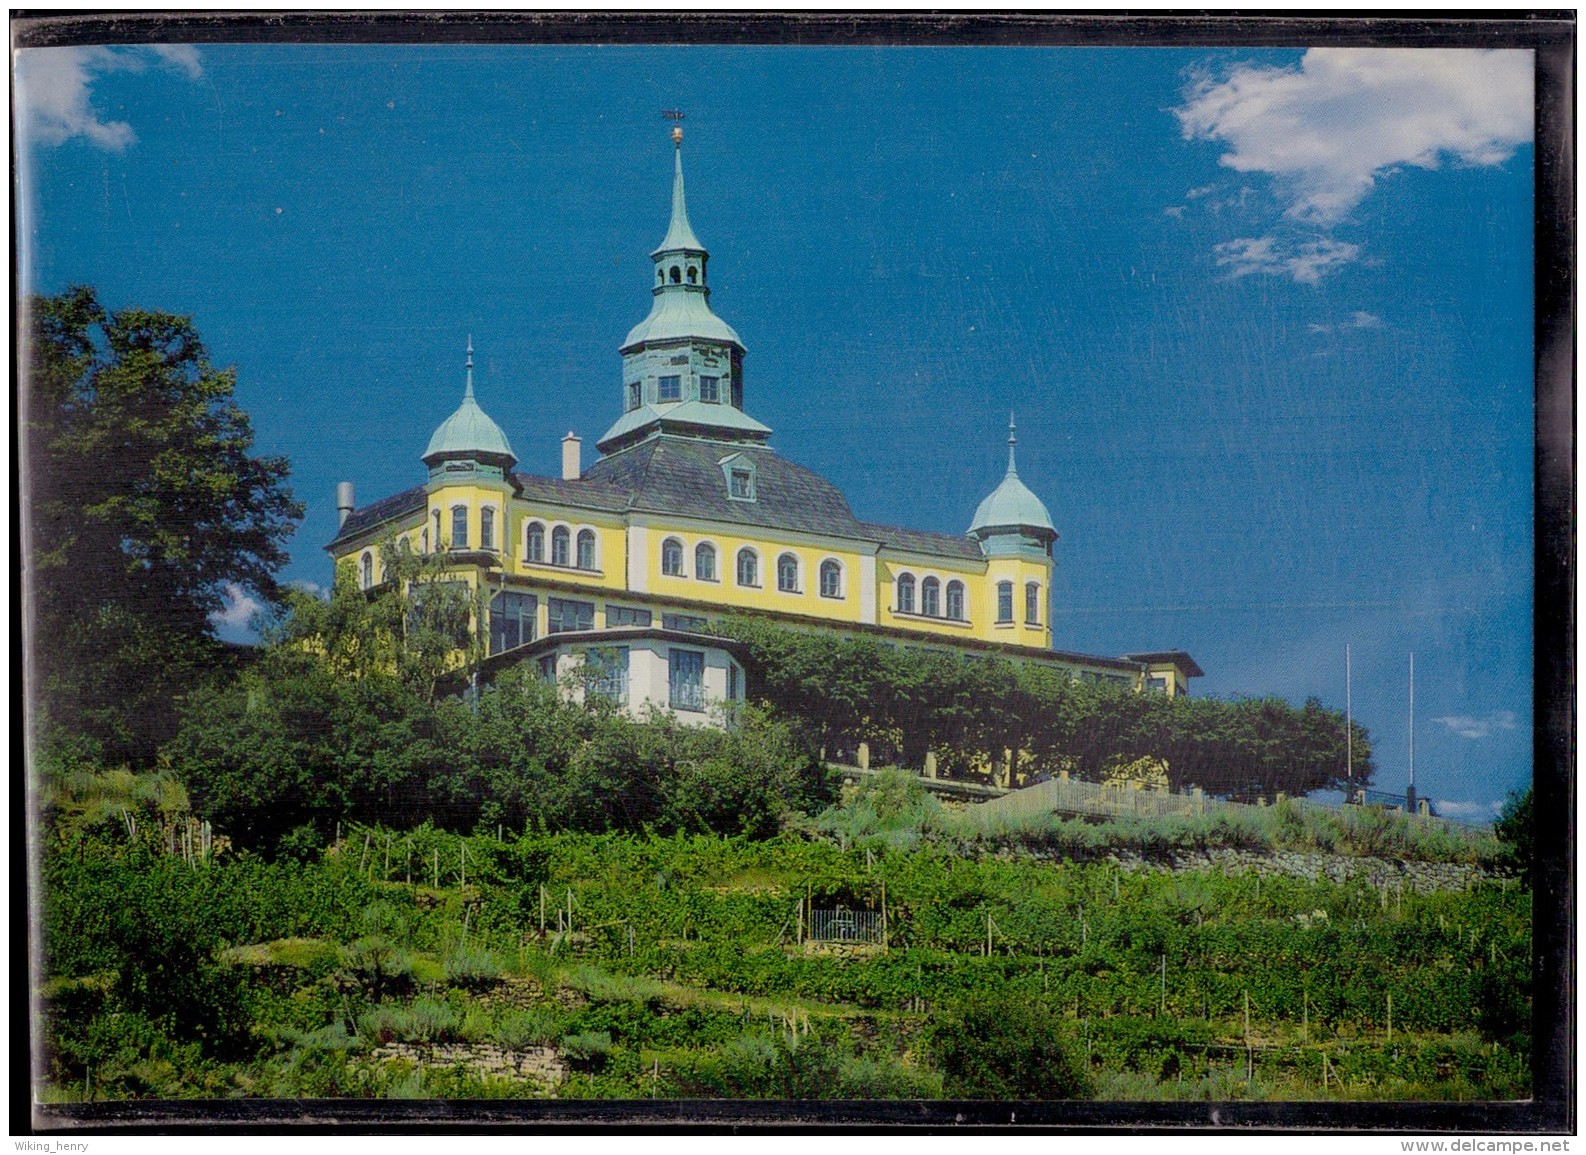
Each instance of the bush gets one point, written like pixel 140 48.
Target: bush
pixel 1007 1050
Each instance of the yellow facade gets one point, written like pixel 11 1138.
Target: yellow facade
pixel 688 515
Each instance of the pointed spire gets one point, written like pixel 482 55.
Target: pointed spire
pixel 679 234
pixel 468 389
pixel 1012 440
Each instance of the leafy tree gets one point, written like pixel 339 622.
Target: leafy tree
pixel 904 702
pixel 1007 1049
pixel 1514 829
pixel 143 502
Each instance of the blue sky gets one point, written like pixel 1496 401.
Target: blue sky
pixel 1264 316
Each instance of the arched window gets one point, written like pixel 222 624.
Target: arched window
pixel 931 597
pixel 534 546
pixel 487 528
pixel 559 541
pixel 366 571
pixel 693 274
pixel 677 277
pixel 1032 603
pixel 424 541
pixel 459 527
pixel 586 549
pixel 705 562
pixel 436 515
pixel 906 594
pixel 831 579
pixel 787 574
pixel 748 568
pixel 1004 601
pixel 955 600
pixel 672 557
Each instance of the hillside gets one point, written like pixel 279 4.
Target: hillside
pixel 421 963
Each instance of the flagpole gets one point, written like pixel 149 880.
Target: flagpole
pixel 1349 722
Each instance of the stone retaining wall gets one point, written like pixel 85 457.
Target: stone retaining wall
pixel 1414 875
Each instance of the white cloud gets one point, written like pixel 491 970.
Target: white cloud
pixel 1469 727
pixel 240 610
pixel 54 89
pixel 313 588
pixel 1330 127
pixel 1360 319
pixel 1305 261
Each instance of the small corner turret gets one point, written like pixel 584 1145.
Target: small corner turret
pixel 469 442
pixel 1012 520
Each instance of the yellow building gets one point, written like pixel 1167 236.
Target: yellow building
pixel 688 514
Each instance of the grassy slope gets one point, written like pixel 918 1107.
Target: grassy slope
pixel 680 976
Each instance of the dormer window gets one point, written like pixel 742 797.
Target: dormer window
pixel 739 472
pixel 670 388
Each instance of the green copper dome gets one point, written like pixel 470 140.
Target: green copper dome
pixel 469 432
pixel 1011 505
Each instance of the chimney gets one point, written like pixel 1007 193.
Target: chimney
pixel 572 458
pixel 344 502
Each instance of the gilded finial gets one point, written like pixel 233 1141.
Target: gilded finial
pixel 676 116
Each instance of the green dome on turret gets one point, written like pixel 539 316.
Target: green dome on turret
pixel 1012 508
pixel 469 433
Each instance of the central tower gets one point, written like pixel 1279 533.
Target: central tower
pixel 682 366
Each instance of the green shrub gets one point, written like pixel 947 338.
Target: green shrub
pixel 1001 1049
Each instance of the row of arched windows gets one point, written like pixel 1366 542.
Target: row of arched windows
pixel 930 599
pixel 746 569
pixel 566 550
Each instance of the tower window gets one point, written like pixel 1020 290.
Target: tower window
pixel 931 597
pixel 672 557
pixel 677 276
pixel 366 571
pixel 459 527
pixel 1004 602
pixel 534 547
pixel 671 389
pixel 748 568
pixel 787 574
pixel 705 562
pixel 906 594
pixel 559 543
pixel 487 528
pixel 831 579
pixel 1032 603
pixel 693 274
pixel 955 600
pixel 635 395
pixel 710 389
pixel 586 549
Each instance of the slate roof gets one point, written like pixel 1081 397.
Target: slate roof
pixel 924 541
pixel 680 476
pixel 386 509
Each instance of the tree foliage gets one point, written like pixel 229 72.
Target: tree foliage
pixel 969 709
pixel 143 502
pixel 343 718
